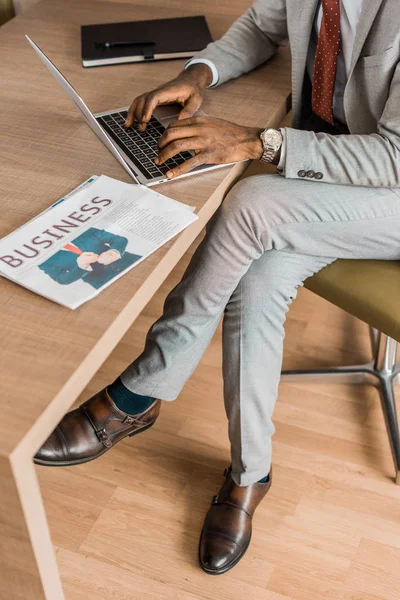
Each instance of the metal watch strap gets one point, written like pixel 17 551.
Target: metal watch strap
pixel 268 155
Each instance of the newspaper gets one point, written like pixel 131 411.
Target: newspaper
pixel 91 237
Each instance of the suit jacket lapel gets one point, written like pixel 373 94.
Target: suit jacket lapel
pixel 303 14
pixel 305 19
pixel 370 10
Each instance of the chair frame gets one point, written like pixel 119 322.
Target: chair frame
pixel 381 372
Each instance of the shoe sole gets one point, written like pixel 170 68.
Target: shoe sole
pixel 72 463
pixel 228 567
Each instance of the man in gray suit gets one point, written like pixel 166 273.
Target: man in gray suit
pixel 336 195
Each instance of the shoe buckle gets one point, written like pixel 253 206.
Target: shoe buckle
pixel 104 439
pixel 215 499
pixel 129 420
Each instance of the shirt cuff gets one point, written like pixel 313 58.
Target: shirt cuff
pixel 282 162
pixel 88 268
pixel 209 63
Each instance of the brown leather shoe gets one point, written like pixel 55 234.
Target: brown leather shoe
pixel 226 531
pixel 91 430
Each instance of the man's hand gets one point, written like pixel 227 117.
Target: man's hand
pixel 187 89
pixel 85 259
pixel 108 257
pixel 214 141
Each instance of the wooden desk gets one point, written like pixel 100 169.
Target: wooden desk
pixel 48 353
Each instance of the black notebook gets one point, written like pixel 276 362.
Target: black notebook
pixel 160 39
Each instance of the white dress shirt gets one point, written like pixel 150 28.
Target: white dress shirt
pixel 350 12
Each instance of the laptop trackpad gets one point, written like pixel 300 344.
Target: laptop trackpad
pixel 169 113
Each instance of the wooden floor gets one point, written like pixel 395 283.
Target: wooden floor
pixel 126 526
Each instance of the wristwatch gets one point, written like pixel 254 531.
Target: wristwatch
pixel 272 140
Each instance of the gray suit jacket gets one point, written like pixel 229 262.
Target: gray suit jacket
pixel 371 155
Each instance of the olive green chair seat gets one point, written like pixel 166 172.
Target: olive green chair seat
pixel 369 290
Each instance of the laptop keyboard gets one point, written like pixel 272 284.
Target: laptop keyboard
pixel 141 148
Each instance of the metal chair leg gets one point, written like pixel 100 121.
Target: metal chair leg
pixel 387 370
pixel 382 371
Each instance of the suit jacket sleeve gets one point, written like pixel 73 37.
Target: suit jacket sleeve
pixel 115 242
pixel 250 41
pixel 61 274
pixel 371 160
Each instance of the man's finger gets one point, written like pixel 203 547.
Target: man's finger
pixel 171 134
pixel 189 122
pixel 191 106
pixel 139 109
pixel 177 147
pixel 131 113
pixel 187 166
pixel 152 101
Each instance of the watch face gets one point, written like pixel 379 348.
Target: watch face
pixel 272 138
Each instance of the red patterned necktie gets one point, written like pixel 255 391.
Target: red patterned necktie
pixel 326 60
pixel 73 248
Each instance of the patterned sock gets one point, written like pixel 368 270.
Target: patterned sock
pixel 128 401
pixel 264 479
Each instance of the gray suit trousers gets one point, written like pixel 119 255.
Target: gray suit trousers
pixel 269 235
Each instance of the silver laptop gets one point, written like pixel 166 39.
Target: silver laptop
pixel 134 150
